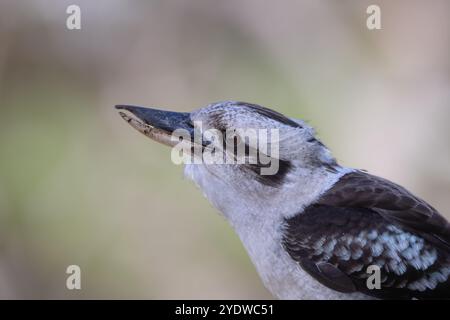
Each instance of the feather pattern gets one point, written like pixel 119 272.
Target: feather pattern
pixel 365 220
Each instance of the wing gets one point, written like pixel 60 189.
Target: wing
pixel 364 220
pixel 396 204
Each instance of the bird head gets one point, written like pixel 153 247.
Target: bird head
pixel 241 147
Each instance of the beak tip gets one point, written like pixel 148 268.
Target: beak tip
pixel 124 116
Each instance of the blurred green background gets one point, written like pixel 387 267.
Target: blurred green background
pixel 79 186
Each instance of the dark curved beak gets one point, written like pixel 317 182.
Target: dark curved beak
pixel 165 120
pixel 154 123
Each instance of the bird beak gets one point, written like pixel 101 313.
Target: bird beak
pixel 156 124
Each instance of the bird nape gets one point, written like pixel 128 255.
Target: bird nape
pixel 313 229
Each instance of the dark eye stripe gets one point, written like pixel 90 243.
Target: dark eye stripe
pixel 271 114
pixel 275 180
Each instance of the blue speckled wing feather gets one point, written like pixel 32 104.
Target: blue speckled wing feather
pixel 365 220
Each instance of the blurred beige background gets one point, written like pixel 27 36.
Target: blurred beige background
pixel 79 186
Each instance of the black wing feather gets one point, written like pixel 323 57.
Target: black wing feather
pixel 365 220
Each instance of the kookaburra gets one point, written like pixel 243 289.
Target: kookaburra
pixel 313 228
